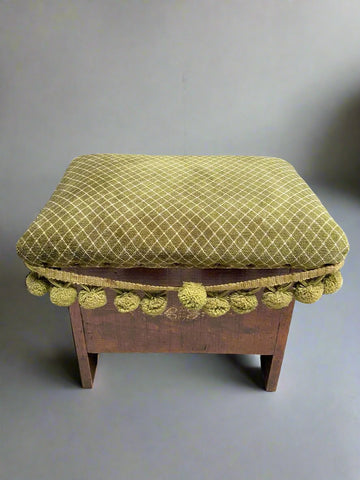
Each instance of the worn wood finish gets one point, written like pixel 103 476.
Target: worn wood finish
pixel 179 330
pixel 87 361
pixel 263 331
pixel 271 364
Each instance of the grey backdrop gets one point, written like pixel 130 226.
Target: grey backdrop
pixel 278 78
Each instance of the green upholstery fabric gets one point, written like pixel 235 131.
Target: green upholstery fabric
pixel 199 211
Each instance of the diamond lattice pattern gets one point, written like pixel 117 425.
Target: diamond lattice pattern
pixel 199 211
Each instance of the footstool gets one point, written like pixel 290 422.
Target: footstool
pixel 202 254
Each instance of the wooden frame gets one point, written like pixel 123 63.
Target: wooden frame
pixel 263 332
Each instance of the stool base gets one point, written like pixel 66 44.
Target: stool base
pixel 263 332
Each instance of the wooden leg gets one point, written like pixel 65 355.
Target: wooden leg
pixel 271 364
pixel 87 361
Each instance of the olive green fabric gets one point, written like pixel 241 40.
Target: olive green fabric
pixel 200 211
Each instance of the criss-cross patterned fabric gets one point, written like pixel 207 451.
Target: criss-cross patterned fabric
pixel 196 211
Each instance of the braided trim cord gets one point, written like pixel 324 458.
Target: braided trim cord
pixel 271 281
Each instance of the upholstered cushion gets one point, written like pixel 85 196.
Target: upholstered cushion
pixel 201 211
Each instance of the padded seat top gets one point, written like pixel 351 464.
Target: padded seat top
pixel 193 211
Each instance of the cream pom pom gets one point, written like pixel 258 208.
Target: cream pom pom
pixel 192 295
pixel 216 306
pixel 333 283
pixel 243 302
pixel 308 292
pixel 37 285
pixel 126 301
pixel 277 298
pixel 154 303
pixel 92 297
pixel 63 295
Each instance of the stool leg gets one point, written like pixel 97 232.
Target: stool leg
pixel 87 361
pixel 271 364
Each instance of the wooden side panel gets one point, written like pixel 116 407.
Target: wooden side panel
pixel 179 330
pixel 263 331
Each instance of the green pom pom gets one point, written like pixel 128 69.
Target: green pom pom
pixel 277 298
pixel 192 295
pixel 308 293
pixel 126 301
pixel 333 283
pixel 37 285
pixel 92 297
pixel 241 302
pixel 63 296
pixel 216 306
pixel 154 303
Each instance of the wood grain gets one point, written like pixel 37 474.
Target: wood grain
pixel 271 364
pixel 87 361
pixel 263 331
pixel 179 330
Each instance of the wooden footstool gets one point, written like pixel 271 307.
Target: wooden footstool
pixel 202 254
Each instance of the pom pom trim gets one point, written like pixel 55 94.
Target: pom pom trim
pixel 192 295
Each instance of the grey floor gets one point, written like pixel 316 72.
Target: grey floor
pixel 162 416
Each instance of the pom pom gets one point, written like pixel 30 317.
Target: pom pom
pixel 308 292
pixel 37 285
pixel 333 283
pixel 277 298
pixel 126 301
pixel 154 303
pixel 241 302
pixel 192 295
pixel 63 296
pixel 216 306
pixel 92 297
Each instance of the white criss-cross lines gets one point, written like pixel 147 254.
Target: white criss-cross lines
pixel 126 210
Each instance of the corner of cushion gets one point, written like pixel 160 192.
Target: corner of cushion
pixel 87 155
pixel 341 241
pixel 22 250
pixel 19 247
pixel 77 157
pixel 346 245
pixel 74 161
pixel 286 162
